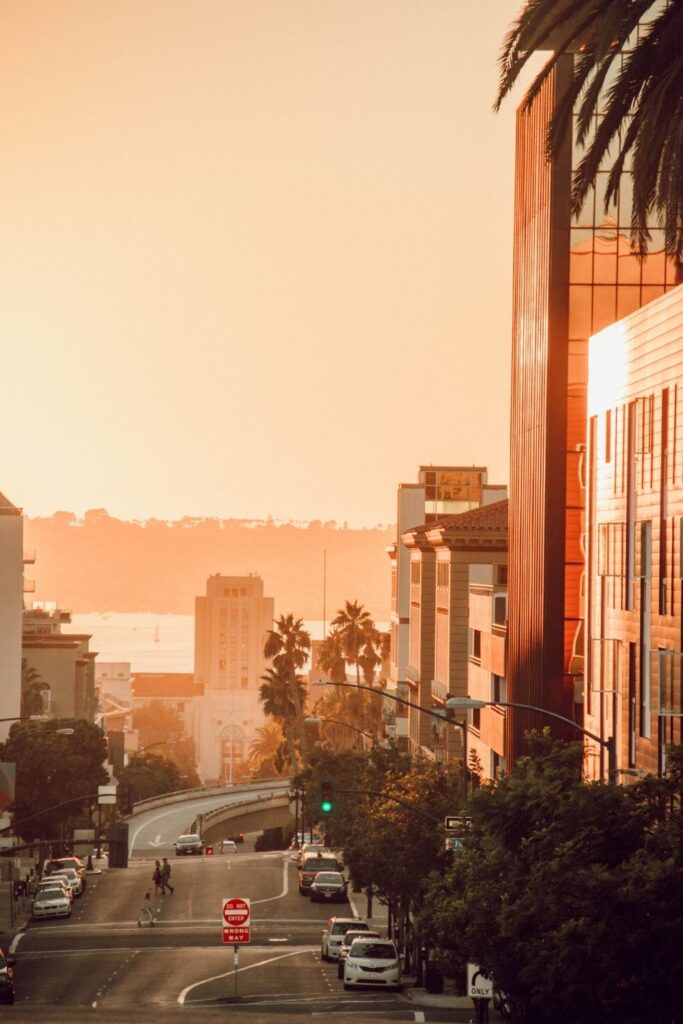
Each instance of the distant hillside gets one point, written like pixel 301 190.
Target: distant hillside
pixel 104 564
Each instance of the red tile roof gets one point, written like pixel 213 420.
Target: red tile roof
pixel 165 685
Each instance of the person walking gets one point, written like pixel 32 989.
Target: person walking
pixel 166 876
pixel 158 879
pixel 146 908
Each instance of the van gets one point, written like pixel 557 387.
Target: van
pixel 311 865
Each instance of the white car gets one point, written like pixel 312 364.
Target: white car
pixel 228 846
pixel 372 962
pixel 51 903
pixel 72 877
pixel 334 932
pixel 56 882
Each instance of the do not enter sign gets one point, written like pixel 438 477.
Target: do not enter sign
pixel 236 920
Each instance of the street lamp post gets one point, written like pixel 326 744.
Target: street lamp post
pixel 418 707
pixel 609 745
pixel 317 720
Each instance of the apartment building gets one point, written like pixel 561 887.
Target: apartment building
pixel 11 605
pixel 438 492
pixel 447 558
pixel 635 554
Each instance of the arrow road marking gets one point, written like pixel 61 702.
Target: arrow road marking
pixel 156 842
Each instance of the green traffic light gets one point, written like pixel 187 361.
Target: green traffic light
pixel 326 806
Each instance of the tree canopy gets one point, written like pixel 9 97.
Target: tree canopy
pixel 56 775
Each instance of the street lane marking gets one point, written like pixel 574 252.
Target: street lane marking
pixel 285 888
pixel 240 970
pixel 15 942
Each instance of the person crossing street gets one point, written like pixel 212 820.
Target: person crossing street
pixel 146 908
pixel 166 876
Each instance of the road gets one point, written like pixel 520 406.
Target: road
pixel 99 965
pixel 154 831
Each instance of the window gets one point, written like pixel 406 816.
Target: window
pixel 611 551
pixel 415 568
pixel 476 718
pixel 475 644
pixel 500 609
pixel 502 575
pixel 442 574
pixel 643 425
pixel 498 689
pixel 608 436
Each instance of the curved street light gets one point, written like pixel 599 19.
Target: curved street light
pixel 465 703
pixel 318 720
pixel 427 711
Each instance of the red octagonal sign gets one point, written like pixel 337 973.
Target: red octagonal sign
pixel 236 911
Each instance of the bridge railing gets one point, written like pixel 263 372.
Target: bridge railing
pixel 183 795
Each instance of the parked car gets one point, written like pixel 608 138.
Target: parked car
pixel 188 844
pixel 372 962
pixel 312 865
pixel 346 945
pixel 52 902
pixel 328 885
pixel 334 932
pixel 57 863
pixel 6 978
pixel 227 846
pixel 58 882
pixel 307 849
pixel 73 878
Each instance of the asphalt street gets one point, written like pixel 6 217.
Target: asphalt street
pixel 100 965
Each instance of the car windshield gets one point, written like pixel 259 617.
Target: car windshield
pixel 342 927
pixel 320 863
pixel 47 895
pixel 328 876
pixel 189 839
pixel 373 950
pixel 350 936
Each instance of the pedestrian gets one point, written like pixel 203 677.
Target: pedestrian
pixel 166 876
pixel 158 879
pixel 146 908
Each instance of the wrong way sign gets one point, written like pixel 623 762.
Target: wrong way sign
pixel 236 920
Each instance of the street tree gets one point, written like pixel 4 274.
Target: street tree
pixel 569 894
pixel 33 690
pixel 288 646
pixel 151 774
pixel 161 726
pixel 633 77
pixel 57 776
pixel 277 695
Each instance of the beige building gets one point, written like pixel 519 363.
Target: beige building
pixel 11 605
pixel 231 622
pixel 439 491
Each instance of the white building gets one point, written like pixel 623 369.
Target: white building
pixel 11 608
pixel 231 622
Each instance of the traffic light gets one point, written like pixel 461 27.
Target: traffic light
pixel 209 851
pixel 326 796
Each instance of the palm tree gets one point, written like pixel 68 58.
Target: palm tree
pixel 331 655
pixel 33 688
pixel 289 645
pixel 634 77
pixel 278 698
pixel 351 622
pixel 265 747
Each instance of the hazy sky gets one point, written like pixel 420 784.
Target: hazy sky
pixel 255 254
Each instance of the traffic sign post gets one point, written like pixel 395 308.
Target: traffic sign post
pixel 480 990
pixel 236 921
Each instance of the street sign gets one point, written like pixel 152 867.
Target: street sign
pixel 236 921
pixel 457 823
pixel 479 985
pixel 106 794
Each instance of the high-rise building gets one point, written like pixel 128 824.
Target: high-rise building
pixel 572 277
pixel 231 622
pixel 11 607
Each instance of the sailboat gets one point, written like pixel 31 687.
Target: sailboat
pixel 157 636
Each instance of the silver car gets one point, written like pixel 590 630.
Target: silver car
pixel 373 963
pixel 51 903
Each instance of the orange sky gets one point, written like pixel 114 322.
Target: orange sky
pixel 256 256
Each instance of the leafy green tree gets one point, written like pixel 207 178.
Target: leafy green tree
pixel 56 775
pixel 351 624
pixel 160 726
pixel 33 689
pixel 569 894
pixel 265 750
pixel 640 98
pixel 150 774
pixel 331 655
pixel 288 645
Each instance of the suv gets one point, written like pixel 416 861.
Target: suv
pixel 334 932
pixel 188 844
pixel 6 979
pixel 310 867
pixel 59 863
